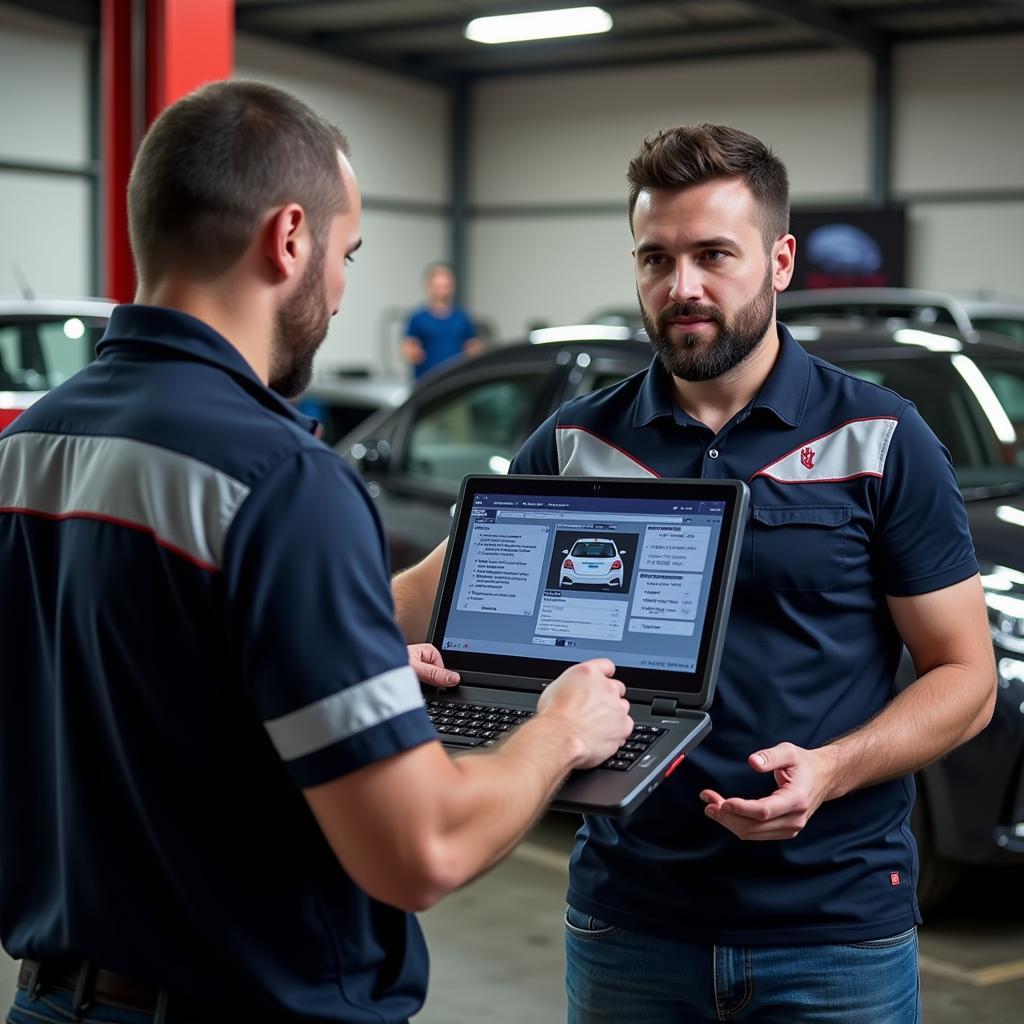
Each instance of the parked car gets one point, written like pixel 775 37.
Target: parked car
pixel 42 343
pixel 916 307
pixel 472 417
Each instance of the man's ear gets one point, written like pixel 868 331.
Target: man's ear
pixel 783 262
pixel 284 240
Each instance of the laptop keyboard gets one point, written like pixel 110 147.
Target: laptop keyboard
pixel 482 725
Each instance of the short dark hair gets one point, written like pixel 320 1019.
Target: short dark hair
pixel 687 155
pixel 214 162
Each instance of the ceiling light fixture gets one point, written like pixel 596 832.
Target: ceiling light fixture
pixel 517 28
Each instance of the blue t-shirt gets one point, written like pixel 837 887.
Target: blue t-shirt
pixel 852 498
pixel 196 622
pixel 442 337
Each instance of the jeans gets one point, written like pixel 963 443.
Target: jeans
pixel 614 976
pixel 54 1006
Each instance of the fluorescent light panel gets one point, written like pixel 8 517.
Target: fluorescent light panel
pixel 517 28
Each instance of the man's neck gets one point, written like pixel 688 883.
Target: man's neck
pixel 221 307
pixel 715 402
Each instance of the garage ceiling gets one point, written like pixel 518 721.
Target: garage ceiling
pixel 423 38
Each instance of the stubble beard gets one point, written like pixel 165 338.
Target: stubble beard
pixel 691 357
pixel 300 327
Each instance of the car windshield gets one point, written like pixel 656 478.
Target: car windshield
pixel 974 404
pixel 40 352
pixel 593 549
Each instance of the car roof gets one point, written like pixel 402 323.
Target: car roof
pixel 57 307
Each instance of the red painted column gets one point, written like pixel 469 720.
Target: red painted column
pixel 118 144
pixel 188 43
pixel 153 52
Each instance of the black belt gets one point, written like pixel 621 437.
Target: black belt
pixel 89 984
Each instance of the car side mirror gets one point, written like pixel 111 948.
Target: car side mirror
pixel 565 551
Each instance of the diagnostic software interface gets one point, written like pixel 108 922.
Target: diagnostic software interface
pixel 584 577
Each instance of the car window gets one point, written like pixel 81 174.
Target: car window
pixel 476 430
pixel 594 549
pixel 40 354
pixel 1001 325
pixel 943 400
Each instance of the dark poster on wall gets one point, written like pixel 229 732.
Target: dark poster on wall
pixel 851 248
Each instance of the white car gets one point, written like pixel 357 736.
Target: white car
pixel 593 561
pixel 42 343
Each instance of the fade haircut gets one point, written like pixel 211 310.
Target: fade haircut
pixel 213 164
pixel 688 155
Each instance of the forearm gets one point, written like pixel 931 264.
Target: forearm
pixel 942 709
pixel 498 797
pixel 413 592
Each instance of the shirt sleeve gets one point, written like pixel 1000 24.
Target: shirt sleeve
pixel 924 538
pixel 539 453
pixel 312 622
pixel 412 328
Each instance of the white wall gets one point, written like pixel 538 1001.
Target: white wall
pixel 563 140
pixel 398 131
pixel 45 222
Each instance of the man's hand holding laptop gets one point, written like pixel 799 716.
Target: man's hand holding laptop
pixel 585 705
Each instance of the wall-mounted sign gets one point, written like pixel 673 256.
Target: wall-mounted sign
pixel 849 248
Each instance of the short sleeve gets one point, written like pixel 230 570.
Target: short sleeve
pixel 924 541
pixel 313 625
pixel 412 328
pixel 539 453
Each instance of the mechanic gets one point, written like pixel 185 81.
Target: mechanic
pixel 775 880
pixel 220 790
pixel 440 329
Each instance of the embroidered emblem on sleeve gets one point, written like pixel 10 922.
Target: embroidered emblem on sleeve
pixel 853 449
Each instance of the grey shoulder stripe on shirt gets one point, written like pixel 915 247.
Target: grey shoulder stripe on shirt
pixel 582 453
pixel 186 504
pixel 345 713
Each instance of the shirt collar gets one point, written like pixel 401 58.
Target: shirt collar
pixel 194 339
pixel 783 393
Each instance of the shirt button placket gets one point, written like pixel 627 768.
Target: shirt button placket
pixel 710 460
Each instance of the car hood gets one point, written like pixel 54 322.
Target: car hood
pixel 998 539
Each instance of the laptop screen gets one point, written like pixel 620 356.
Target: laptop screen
pixel 543 576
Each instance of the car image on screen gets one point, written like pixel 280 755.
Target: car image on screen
pixel 592 561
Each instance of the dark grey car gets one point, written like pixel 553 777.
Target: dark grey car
pixel 473 416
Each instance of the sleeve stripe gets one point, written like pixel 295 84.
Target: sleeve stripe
pixel 345 713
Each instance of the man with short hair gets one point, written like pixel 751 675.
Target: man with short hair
pixel 440 329
pixel 774 881
pixel 220 790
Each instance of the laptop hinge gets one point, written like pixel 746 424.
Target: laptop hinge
pixel 663 707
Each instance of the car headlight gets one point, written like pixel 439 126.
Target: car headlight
pixel 1005 610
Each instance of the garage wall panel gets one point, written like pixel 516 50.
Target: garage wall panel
pixel 45 229
pixel 44 89
pixel 957 115
pixel 968 247
pixel 568 137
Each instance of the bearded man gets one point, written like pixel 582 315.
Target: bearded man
pixel 774 881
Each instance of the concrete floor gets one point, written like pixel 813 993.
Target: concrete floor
pixel 496 946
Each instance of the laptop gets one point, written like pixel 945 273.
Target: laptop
pixel 542 572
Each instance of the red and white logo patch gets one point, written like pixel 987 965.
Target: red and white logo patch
pixel 894 878
pixel 856 448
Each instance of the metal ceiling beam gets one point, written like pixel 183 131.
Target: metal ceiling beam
pixel 457 58
pixel 385 28
pixel 841 31
pixel 929 7
pixel 701 55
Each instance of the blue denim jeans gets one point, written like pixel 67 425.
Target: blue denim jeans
pixel 53 1006
pixel 614 976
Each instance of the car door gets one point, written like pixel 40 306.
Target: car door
pixel 469 422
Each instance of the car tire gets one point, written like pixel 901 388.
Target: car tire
pixel 936 875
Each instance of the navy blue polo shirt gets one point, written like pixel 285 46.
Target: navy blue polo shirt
pixel 196 623
pixel 852 499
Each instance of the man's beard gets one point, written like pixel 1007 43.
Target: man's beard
pixel 299 328
pixel 694 358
